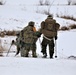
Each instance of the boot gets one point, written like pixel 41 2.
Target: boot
pixel 34 54
pixel 51 55
pixel 43 52
pixel 26 55
pixel 44 55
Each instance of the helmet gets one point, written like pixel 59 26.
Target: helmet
pixel 31 23
pixel 50 16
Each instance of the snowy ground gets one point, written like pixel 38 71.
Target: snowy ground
pixel 15 15
pixel 35 66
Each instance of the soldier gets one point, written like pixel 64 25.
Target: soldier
pixel 17 43
pixel 49 29
pixel 30 37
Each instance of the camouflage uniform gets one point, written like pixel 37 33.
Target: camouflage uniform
pixel 29 41
pixel 17 43
pixel 48 37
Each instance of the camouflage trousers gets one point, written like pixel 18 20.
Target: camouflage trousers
pixel 26 49
pixel 44 44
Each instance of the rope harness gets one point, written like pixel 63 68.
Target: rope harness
pixel 47 38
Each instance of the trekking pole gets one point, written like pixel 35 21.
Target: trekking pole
pixel 55 49
pixel 40 41
pixel 8 50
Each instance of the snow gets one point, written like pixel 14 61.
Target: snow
pixel 35 66
pixel 15 15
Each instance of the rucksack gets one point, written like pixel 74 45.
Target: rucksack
pixel 48 27
pixel 50 24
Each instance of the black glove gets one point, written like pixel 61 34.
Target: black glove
pixel 38 34
pixel 56 37
pixel 13 42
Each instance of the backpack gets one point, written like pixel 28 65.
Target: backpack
pixel 48 28
pixel 50 24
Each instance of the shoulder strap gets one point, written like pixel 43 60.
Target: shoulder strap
pixel 42 25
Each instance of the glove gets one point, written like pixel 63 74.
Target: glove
pixel 12 42
pixel 56 37
pixel 38 34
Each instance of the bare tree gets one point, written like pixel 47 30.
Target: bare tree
pixel 69 2
pixel 2 2
pixel 41 2
pixel 47 2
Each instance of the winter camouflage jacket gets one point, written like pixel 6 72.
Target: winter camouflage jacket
pixel 30 36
